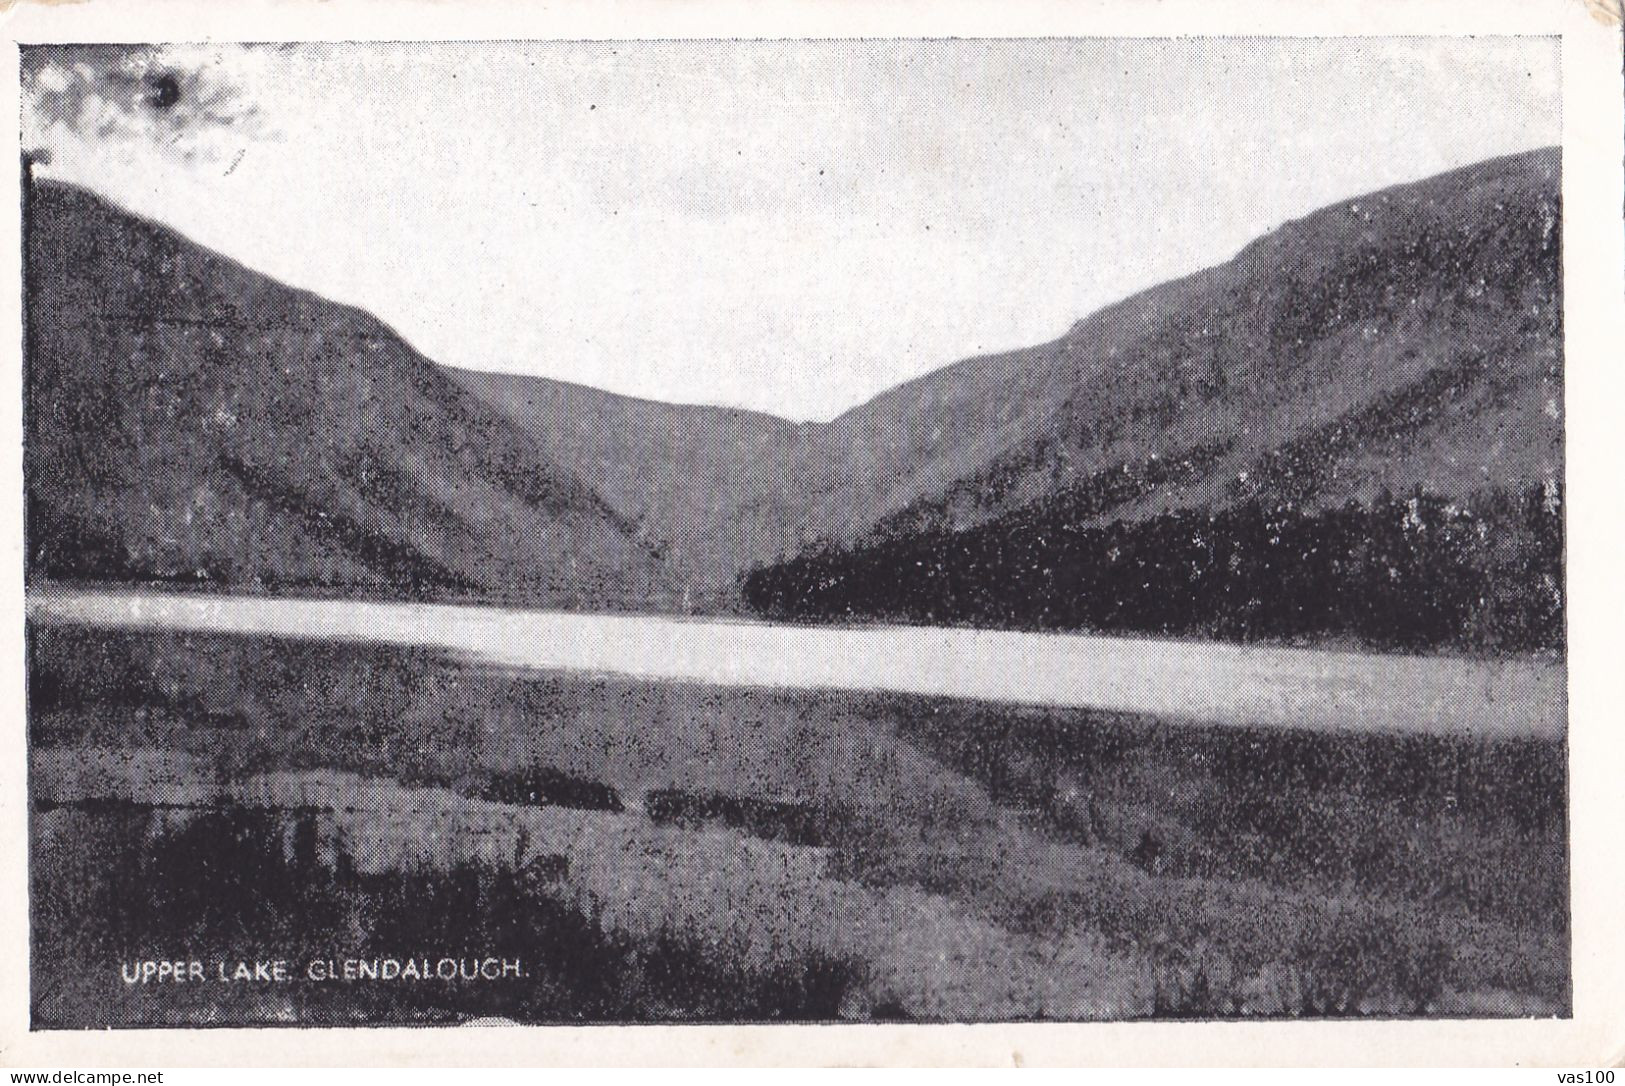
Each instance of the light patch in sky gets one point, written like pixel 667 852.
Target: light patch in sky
pixel 786 226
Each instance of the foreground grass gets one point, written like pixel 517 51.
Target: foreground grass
pixel 834 854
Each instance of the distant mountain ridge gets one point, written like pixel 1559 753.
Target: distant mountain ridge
pixel 1341 337
pixel 1353 431
pixel 190 421
pixel 193 421
pixel 716 486
pixel 1408 337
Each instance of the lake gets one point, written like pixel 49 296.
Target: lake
pixel 1259 686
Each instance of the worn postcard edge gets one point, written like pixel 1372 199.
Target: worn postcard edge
pixel 1594 326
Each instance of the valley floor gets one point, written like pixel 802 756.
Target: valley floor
pixel 658 850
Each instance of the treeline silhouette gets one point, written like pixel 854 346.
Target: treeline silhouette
pixel 1402 573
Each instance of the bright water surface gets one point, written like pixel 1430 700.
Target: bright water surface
pixel 1207 682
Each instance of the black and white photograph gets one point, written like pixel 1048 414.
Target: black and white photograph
pixel 799 530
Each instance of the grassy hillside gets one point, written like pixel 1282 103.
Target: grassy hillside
pixel 1407 338
pixel 1408 342
pixel 189 421
pixel 717 486
pixel 659 851
pixel 1411 336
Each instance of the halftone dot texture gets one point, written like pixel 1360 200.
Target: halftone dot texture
pixel 1206 661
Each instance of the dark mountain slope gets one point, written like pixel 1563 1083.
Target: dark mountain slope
pixel 716 485
pixel 188 420
pixel 1407 337
pixel 1219 456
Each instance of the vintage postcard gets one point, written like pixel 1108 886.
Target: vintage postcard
pixel 984 528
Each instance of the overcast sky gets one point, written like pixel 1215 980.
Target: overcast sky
pixel 792 227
